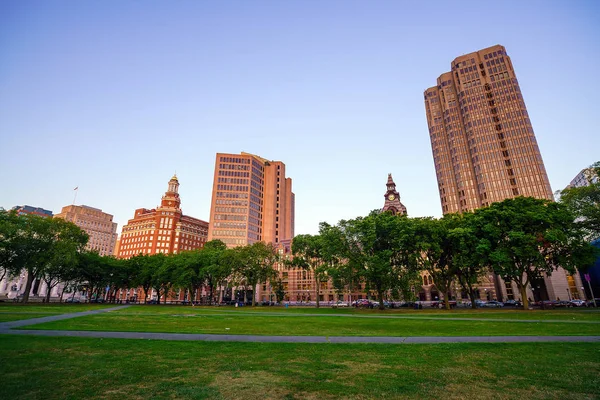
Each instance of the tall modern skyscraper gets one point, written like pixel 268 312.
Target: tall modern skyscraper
pixel 252 201
pixel 482 140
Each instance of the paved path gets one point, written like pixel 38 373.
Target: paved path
pixel 34 321
pixel 8 328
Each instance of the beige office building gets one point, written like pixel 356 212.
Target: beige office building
pixel 97 224
pixel 483 144
pixel 252 201
pixel 485 150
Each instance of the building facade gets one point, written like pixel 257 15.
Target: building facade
pixel 484 147
pixel 33 210
pixel 164 229
pixel 97 224
pixel 252 201
pixel 484 150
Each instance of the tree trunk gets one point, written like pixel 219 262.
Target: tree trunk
pixel 210 298
pixel 48 291
pixel 28 284
pixel 254 295
pixel 446 299
pixel 523 291
pixel 472 297
pixel 318 289
pixel 380 299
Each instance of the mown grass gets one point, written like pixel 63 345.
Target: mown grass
pixel 75 368
pixel 322 325
pixel 49 308
pixel 6 317
pixel 577 314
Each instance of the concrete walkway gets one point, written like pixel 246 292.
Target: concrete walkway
pixel 9 328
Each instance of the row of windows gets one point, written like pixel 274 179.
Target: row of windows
pixel 237 160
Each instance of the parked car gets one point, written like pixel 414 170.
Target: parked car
pixel 73 300
pixel 562 303
pixel 544 304
pixel 512 303
pixel 480 303
pixel 441 304
pixel 493 304
pixel 578 303
pixel 339 303
pixel 590 303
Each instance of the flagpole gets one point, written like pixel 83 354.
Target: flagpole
pixel 75 197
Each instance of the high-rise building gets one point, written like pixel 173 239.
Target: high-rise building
pixel 586 177
pixel 163 229
pixel 252 201
pixel 392 199
pixel 97 224
pixel 483 144
pixel 485 150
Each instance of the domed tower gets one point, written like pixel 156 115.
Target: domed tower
pixel 171 197
pixel 392 199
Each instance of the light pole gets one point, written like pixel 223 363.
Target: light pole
pixel 569 294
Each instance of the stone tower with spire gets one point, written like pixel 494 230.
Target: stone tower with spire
pixel 392 199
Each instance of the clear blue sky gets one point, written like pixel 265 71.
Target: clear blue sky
pixel 115 96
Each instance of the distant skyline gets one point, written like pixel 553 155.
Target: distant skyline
pixel 114 97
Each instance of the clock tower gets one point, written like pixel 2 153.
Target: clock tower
pixel 392 199
pixel 171 197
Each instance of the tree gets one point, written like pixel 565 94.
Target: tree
pixel 36 244
pixel 584 203
pixel 215 266
pixel 472 248
pixel 435 251
pixel 279 290
pixel 254 265
pixel 93 270
pixel 308 253
pixel 62 257
pixel 161 274
pixel 532 237
pixel 381 248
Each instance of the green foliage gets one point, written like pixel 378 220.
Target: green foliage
pixel 530 237
pixel 380 249
pixel 44 247
pixel 584 203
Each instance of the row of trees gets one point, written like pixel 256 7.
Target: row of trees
pixel 212 267
pixel 53 251
pixel 519 239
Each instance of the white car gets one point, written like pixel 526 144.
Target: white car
pixel 339 303
pixel 578 303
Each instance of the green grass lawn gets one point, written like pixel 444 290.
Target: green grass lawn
pixel 182 320
pixel 6 317
pixel 577 314
pixel 51 308
pixel 76 368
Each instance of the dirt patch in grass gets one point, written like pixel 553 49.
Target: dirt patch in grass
pixel 250 385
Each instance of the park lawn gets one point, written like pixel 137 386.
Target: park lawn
pixel 75 368
pixel 255 324
pixel 6 317
pixel 49 308
pixel 573 314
